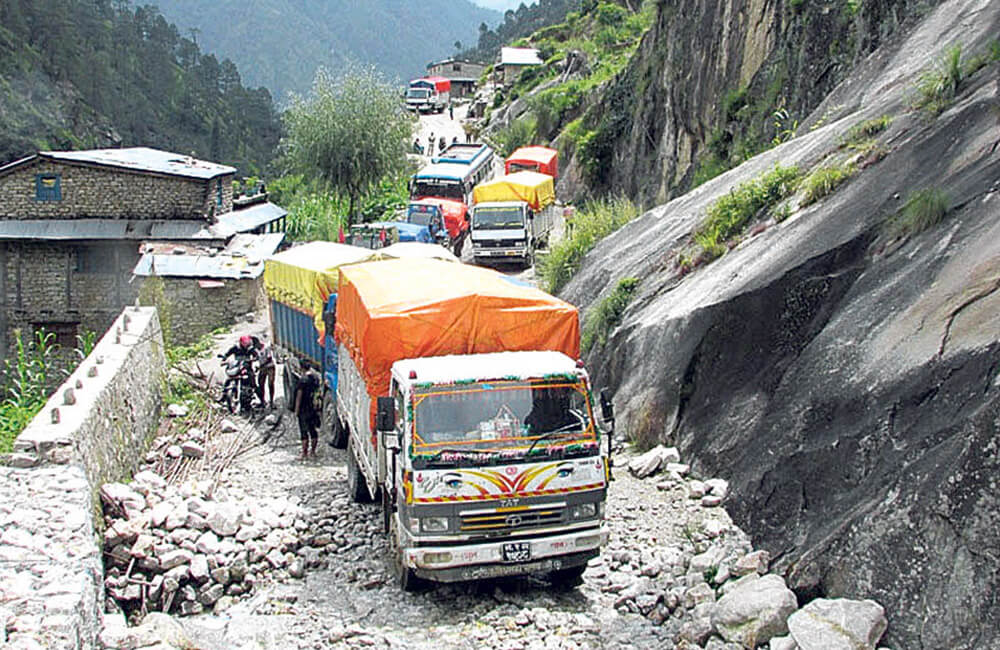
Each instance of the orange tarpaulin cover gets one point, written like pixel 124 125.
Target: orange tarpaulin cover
pixel 541 159
pixel 412 308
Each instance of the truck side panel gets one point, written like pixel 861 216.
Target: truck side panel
pixel 354 406
pixel 295 332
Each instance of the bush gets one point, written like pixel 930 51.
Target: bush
pixel 823 181
pixel 519 134
pixel 730 213
pixel 607 314
pixel 923 209
pixel 937 87
pixel 592 223
pixel 26 375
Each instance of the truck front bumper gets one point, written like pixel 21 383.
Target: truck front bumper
pixel 506 253
pixel 478 561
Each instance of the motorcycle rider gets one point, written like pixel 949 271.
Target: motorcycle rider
pixel 245 352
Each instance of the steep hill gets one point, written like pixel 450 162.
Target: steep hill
pixel 819 324
pixel 89 74
pixel 280 43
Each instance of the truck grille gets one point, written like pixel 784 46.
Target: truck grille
pixel 508 522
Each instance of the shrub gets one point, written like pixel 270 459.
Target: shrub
pixel 923 209
pixel 26 374
pixel 729 214
pixel 607 314
pixel 938 86
pixel 592 223
pixel 518 134
pixel 823 181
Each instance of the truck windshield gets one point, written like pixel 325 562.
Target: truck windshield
pixel 417 93
pixel 498 218
pixel 508 420
pixel 422 218
pixel 439 189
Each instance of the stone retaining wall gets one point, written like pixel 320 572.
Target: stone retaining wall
pixel 94 429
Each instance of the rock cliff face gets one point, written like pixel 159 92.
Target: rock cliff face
pixel 844 380
pixel 709 77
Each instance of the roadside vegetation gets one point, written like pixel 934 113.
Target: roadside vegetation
pixel 604 317
pixel 730 214
pixel 923 210
pixel 593 222
pixel 28 376
pixel 939 85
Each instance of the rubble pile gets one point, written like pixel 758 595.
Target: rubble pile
pixel 187 550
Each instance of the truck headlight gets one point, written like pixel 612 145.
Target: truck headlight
pixel 433 524
pixel 583 511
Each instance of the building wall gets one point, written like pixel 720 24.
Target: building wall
pixel 83 285
pixel 196 310
pixel 453 69
pixel 51 566
pixel 98 192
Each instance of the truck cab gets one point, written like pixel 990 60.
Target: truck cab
pixel 501 230
pixel 490 465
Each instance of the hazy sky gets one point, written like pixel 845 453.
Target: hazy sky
pixel 502 5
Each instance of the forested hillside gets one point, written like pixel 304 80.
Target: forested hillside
pixel 519 23
pixel 93 73
pixel 280 43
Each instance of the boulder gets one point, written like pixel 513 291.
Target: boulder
pixel 838 624
pixel 754 610
pixel 717 487
pixel 755 562
pixel 173 559
pixel 225 519
pixel 782 643
pixel 199 568
pixel 650 462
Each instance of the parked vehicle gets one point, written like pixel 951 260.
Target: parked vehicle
pixel 512 217
pixel 430 214
pixel 428 94
pixel 468 416
pixel 238 388
pixel 301 285
pixel 449 181
pixel 533 159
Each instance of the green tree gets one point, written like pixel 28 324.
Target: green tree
pixel 351 132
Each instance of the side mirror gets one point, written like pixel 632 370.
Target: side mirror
pixel 391 441
pixel 385 414
pixel 607 408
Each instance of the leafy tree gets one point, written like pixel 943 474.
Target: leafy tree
pixel 351 131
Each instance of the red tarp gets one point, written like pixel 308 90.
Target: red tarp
pixel 539 159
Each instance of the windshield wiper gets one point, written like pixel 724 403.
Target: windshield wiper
pixel 563 430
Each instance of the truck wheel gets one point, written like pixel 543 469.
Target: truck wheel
pixel 288 387
pixel 405 577
pixel 567 578
pixel 356 486
pixel 331 426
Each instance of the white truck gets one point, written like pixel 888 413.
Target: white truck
pixel 512 217
pixel 428 94
pixel 468 416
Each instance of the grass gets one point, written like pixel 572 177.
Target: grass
pixel 592 223
pixel 607 314
pixel 730 214
pixel 862 132
pixel 824 181
pixel 939 85
pixel 198 349
pixel 923 210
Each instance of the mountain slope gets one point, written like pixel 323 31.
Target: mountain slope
pixel 280 43
pixel 837 358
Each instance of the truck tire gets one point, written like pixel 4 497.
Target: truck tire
pixel 331 427
pixel 288 388
pixel 405 577
pixel 357 488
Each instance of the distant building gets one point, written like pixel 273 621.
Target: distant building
pixel 464 75
pixel 72 224
pixel 513 60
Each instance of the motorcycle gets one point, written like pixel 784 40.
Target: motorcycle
pixel 238 389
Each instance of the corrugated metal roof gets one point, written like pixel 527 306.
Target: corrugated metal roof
pixel 243 257
pixel 519 56
pixel 251 217
pixel 144 159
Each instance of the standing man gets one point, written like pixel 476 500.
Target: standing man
pixel 451 111
pixel 308 415
pixel 265 372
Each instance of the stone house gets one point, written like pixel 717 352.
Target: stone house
pixel 72 224
pixel 464 75
pixel 512 61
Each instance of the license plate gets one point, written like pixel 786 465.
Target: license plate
pixel 516 552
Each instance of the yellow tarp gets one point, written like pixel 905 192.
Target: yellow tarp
pixel 412 308
pixel 303 277
pixel 537 190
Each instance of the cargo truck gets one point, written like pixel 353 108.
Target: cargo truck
pixel 533 159
pixel 512 217
pixel 469 418
pixel 428 94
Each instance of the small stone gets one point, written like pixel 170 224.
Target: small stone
pixel 207 543
pixel 174 451
pixel 221 575
pixel 199 568
pixel 696 489
pixel 210 593
pixel 227 426
pixel 717 487
pixel 225 520
pixel 297 568
pixel 756 562
pixel 192 449
pixel 176 558
pixel 711 501
pixel 177 410
pixel 681 469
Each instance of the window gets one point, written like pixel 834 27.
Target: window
pixel 456 67
pixel 95 259
pixel 218 194
pixel 64 334
pixel 48 187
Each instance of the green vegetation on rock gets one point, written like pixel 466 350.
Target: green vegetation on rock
pixel 939 85
pixel 592 223
pixel 923 209
pixel 824 180
pixel 607 314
